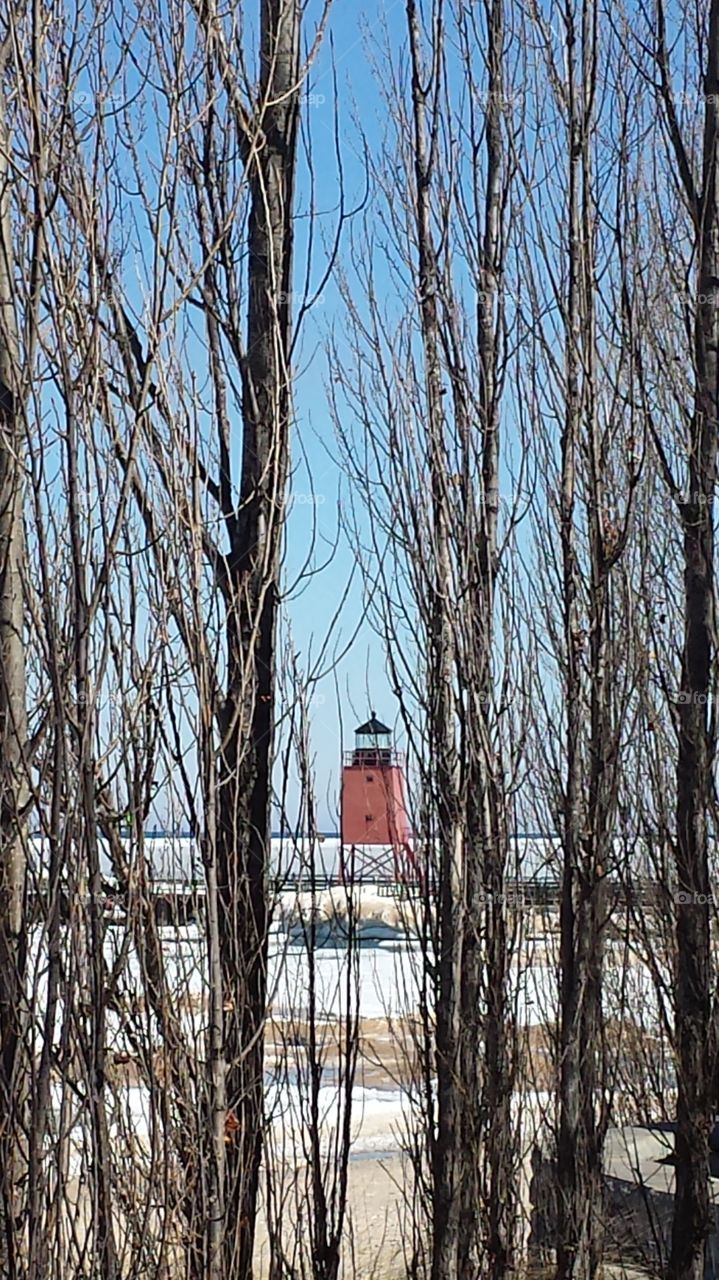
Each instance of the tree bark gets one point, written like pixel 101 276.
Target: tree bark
pixel 696 750
pixel 587 815
pixel 13 725
pixel 487 1069
pixel 446 1145
pixel 244 785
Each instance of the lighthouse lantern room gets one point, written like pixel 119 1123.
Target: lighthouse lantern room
pixel 376 842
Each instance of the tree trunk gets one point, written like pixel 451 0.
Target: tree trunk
pixel 695 761
pixel 486 1073
pixel 446 1145
pixel 13 729
pixel 245 757
pixel 587 810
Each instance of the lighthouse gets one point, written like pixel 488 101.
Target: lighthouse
pixel 376 837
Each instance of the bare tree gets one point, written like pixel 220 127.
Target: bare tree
pixel 146 483
pixel 687 461
pixel 235 692
pixel 590 467
pixel 18 324
pixel 427 390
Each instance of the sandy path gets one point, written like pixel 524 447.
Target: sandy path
pixel 373 1235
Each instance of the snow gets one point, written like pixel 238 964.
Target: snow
pixel 383 982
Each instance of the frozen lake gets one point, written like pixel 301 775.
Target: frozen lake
pixel 380 982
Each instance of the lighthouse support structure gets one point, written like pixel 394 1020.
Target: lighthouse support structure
pixel 375 829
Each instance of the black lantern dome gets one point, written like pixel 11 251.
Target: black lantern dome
pixel 373 742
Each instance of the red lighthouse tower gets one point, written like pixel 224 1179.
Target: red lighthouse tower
pixel 376 839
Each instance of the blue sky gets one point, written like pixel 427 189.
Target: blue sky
pixel 345 103
pixel 357 681
pixel 320 564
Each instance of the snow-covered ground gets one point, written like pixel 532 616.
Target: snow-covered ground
pixel 379 983
pixel 376 982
